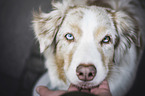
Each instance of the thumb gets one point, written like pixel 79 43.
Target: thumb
pixel 43 91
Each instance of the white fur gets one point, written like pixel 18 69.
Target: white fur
pixel 89 25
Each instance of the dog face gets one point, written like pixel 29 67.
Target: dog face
pixel 85 41
pixel 86 37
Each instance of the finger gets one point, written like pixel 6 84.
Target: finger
pixel 95 91
pixel 44 91
pixel 57 93
pixel 73 88
pixel 104 85
pixel 102 90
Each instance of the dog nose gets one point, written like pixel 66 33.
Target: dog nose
pixel 86 72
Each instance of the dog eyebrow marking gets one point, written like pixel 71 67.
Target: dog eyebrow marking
pixel 77 29
pixel 100 30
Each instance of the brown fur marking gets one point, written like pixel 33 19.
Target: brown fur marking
pixel 60 64
pixel 103 56
pixel 99 30
pixel 77 29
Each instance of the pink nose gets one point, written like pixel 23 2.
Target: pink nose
pixel 86 72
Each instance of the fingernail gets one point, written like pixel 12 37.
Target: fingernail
pixel 38 89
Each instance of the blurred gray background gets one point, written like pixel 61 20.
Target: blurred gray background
pixel 16 40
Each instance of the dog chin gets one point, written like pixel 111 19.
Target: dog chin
pixel 85 85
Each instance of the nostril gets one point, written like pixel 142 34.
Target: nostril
pixel 90 74
pixel 81 74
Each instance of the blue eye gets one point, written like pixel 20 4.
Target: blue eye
pixel 106 39
pixel 69 36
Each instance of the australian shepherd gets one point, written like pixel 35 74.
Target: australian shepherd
pixel 85 42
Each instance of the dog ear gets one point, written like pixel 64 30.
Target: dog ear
pixel 46 25
pixel 127 27
pixel 128 32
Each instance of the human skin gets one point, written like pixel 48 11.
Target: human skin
pixel 102 90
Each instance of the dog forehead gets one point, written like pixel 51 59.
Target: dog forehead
pixel 87 13
pixel 88 19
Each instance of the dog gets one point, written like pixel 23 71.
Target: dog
pixel 85 42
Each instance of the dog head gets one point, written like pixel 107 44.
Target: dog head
pixel 87 41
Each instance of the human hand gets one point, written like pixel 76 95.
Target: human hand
pixel 44 91
pixel 102 90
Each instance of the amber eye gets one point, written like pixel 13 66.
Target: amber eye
pixel 69 36
pixel 106 39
